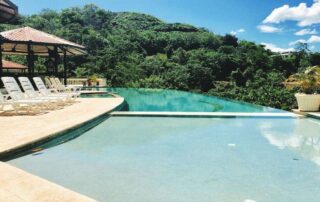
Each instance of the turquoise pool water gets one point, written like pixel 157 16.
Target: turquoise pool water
pixel 180 101
pixel 188 159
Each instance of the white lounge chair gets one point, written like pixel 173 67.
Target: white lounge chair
pixel 46 92
pixel 30 91
pixel 4 103
pixel 25 107
pixel 49 84
pixel 74 88
pixel 62 88
pixel 55 85
pixel 17 95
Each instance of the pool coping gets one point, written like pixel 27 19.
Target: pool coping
pixel 314 115
pixel 19 185
pixel 82 126
pixel 208 114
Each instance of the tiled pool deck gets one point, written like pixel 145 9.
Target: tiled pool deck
pixel 17 185
pixel 20 131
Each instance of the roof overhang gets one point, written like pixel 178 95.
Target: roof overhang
pixel 39 49
pixel 8 11
pixel 22 41
pixel 12 65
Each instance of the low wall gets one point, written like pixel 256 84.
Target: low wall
pixel 80 81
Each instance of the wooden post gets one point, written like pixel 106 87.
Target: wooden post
pixel 30 61
pixel 65 70
pixel 56 62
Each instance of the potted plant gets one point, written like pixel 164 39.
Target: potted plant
pixel 93 78
pixel 308 85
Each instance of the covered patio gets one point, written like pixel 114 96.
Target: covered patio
pixel 33 43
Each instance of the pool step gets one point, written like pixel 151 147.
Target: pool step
pixel 207 114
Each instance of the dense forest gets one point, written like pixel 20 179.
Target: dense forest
pixel 138 50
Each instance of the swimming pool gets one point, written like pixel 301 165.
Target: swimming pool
pixel 180 101
pixel 188 159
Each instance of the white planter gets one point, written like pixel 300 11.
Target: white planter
pixel 308 102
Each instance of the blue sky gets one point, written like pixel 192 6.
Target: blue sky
pixel 278 24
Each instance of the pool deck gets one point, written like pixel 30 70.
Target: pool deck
pixel 17 185
pixel 19 131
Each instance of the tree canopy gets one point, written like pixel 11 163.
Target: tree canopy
pixel 139 50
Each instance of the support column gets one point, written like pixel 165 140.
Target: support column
pixel 30 61
pixel 65 67
pixel 56 62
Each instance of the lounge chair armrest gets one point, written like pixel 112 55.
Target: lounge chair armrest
pixel 6 97
pixel 53 90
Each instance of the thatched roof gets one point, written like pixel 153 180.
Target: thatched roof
pixel 16 41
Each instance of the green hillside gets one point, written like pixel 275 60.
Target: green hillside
pixel 139 50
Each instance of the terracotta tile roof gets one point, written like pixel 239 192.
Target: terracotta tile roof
pixel 15 42
pixel 12 65
pixel 27 34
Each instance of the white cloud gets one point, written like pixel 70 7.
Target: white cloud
pixel 304 15
pixel 268 29
pixel 275 48
pixel 312 39
pixel 298 41
pixel 237 31
pixel 306 32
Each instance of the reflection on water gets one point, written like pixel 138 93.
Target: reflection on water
pixel 173 100
pixel 188 159
pixel 301 136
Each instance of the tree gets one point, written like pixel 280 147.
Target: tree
pixel 200 77
pixel 238 77
pixel 315 59
pixel 230 40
